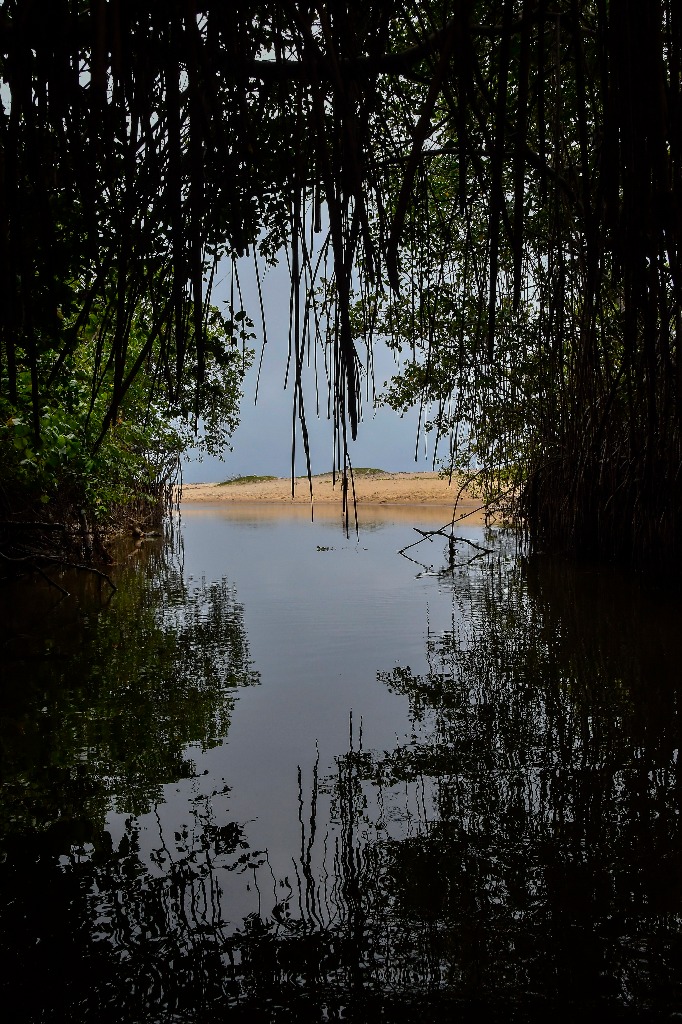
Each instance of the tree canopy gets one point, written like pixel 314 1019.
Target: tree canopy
pixel 494 162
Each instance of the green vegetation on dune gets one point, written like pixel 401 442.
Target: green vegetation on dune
pixel 364 471
pixel 361 471
pixel 246 480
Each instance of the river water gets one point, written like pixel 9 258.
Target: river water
pixel 288 774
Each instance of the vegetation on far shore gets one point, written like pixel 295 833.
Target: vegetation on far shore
pixel 246 480
pixel 363 471
pixel 366 471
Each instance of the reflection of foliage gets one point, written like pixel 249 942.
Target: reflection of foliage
pixel 546 742
pixel 518 857
pixel 104 713
pixel 154 937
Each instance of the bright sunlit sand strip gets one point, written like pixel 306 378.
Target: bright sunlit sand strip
pixel 371 487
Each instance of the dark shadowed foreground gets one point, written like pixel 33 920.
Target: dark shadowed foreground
pixel 456 796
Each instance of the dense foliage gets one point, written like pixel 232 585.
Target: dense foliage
pixel 76 457
pixel 511 168
pixel 542 333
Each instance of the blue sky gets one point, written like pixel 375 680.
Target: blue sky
pixel 262 443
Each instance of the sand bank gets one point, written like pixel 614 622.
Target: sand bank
pixel 370 488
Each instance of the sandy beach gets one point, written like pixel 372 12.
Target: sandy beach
pixel 378 488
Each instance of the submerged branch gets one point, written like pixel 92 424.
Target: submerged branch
pixel 34 558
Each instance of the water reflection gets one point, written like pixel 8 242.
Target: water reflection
pixel 547 740
pixel 101 697
pixel 517 854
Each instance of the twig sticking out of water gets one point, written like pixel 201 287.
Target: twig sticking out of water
pixel 33 560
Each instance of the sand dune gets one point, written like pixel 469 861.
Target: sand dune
pixel 370 488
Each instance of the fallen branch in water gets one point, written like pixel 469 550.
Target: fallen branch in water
pixel 33 559
pixel 53 583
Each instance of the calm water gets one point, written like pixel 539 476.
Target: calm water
pixel 283 774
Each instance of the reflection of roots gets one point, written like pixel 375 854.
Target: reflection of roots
pixel 169 936
pixel 502 853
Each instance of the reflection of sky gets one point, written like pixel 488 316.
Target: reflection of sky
pixel 262 443
pixel 323 614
